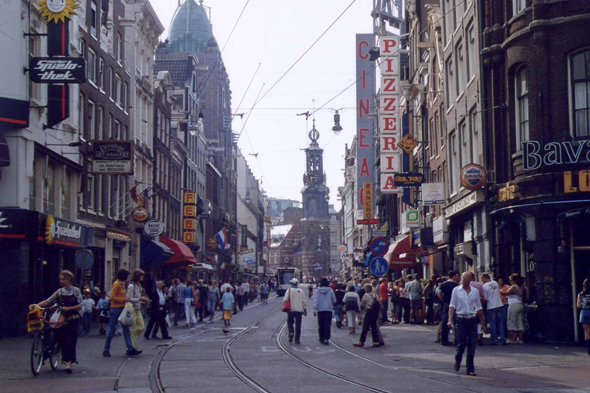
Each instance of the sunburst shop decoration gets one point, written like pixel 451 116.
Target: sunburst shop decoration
pixel 58 10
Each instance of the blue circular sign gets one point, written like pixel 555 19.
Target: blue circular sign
pixel 378 266
pixel 379 246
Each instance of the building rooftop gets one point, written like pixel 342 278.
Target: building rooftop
pixel 190 30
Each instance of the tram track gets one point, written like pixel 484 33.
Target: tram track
pixel 154 375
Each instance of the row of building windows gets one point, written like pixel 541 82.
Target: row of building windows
pixel 95 124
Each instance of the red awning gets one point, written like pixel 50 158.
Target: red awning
pixel 409 260
pixel 182 254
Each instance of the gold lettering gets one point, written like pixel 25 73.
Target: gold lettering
pixel 567 183
pixel 584 181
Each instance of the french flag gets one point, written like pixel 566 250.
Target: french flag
pixel 222 238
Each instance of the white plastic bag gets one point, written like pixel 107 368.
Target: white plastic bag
pixel 167 321
pixel 127 316
pixel 56 320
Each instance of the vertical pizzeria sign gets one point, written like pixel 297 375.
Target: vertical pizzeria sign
pixel 189 218
pixel 365 93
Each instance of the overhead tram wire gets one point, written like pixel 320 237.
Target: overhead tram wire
pixel 304 53
pixel 249 114
pixel 202 86
pixel 397 52
pixel 248 88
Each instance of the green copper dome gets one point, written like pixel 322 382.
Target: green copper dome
pixel 190 30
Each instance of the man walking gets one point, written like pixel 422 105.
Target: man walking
pixel 298 310
pixel 466 303
pixel 494 316
pixel 323 304
pixel 444 294
pixel 415 289
pixel 158 313
pixel 240 296
pixel 384 298
pixel 179 294
pixel 202 288
pixel 246 286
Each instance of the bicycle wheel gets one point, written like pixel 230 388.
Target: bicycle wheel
pixel 37 354
pixel 54 351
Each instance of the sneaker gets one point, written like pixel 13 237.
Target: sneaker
pixel 133 352
pixel 106 354
pixel 359 344
pixel 290 339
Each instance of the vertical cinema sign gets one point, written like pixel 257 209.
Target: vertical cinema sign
pixel 365 94
pixel 389 120
pixel 189 218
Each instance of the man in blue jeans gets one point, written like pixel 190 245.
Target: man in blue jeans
pixel 465 307
pixel 323 304
pixel 495 309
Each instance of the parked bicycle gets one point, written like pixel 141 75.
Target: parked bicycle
pixel 45 345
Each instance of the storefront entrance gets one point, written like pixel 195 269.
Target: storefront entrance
pixel 580 263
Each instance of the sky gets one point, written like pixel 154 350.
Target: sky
pixel 274 34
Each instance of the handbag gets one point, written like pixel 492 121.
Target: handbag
pixel 287 303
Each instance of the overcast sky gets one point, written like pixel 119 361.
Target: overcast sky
pixel 274 33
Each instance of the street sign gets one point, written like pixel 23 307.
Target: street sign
pixel 378 266
pixel 379 246
pixel 379 233
pixel 408 179
pixel 412 218
pixel 407 143
pixel 342 248
pixel 369 221
pixel 84 259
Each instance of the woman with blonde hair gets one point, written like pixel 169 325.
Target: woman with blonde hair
pixel 69 298
pixel 135 296
pixel 515 294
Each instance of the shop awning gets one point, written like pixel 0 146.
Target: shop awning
pixel 153 254
pixel 203 266
pixel 408 260
pixel 368 258
pixel 182 254
pixel 4 152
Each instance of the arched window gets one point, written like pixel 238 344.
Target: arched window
pixel 581 91
pixel 522 106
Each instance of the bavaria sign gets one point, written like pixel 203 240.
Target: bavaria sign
pixel 473 176
pixel 553 153
pixel 57 70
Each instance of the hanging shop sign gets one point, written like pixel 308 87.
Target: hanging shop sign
pixel 473 176
pixel 407 143
pixel 342 249
pixel 57 10
pixel 553 153
pixel 244 236
pixel 154 228
pixel 212 243
pixel 583 182
pixel 247 251
pixel 433 194
pixel 440 231
pixel 412 218
pixel 140 214
pixel 508 193
pixel 189 220
pixel 112 157
pixel 69 70
pixel 408 179
pixel 62 231
pixel 368 206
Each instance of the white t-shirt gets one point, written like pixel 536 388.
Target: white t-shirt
pixel 87 305
pixel 491 293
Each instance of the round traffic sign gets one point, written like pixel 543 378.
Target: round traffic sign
pixel 378 266
pixel 342 249
pixel 379 246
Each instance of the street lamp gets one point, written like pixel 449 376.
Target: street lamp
pixel 337 127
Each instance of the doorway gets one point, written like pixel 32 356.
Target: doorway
pixel 580 264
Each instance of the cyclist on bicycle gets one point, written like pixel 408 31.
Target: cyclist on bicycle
pixel 69 298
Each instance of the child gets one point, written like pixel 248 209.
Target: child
pixel 104 312
pixel 88 307
pixel 227 302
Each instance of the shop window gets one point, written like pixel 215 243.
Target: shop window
pixel 522 106
pixel 581 92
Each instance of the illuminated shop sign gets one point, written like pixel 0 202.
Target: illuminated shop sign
pixel 553 153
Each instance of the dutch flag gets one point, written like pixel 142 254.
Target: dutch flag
pixel 222 238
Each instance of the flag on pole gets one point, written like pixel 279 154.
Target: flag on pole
pixel 133 192
pixel 144 198
pixel 222 238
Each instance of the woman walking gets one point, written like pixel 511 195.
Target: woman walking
pixel 515 295
pixel 213 299
pixel 352 305
pixel 428 294
pixel 371 304
pixel 228 302
pixel 584 305
pixel 69 298
pixel 189 302
pixel 136 297
pixel 296 297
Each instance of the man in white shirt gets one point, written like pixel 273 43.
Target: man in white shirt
pixel 246 286
pixel 494 315
pixel 465 302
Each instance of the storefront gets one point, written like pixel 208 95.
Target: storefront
pixel 36 248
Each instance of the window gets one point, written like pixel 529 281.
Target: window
pixel 454 184
pixel 93 18
pixel 117 133
pixel 101 74
pixel 474 131
pixel 440 129
pixel 117 89
pixel 124 91
pixel 35 51
pixel 522 107
pixel 517 6
pixel 432 136
pixel 581 90
pixel 113 196
pixel 461 69
pixel 91 65
pixel 451 83
pixel 125 134
pixel 49 190
pixel 100 129
pixel 111 80
pixel 449 20
pixel 109 130
pixel 98 193
pixel 91 120
pixel 119 44
pixel 82 48
pixel 65 195
pixel 82 115
pixel 90 182
pixel 471 51
pixel 465 145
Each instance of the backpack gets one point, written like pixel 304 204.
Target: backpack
pixel 351 304
pixel 376 305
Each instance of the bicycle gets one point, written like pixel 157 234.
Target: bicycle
pixel 44 342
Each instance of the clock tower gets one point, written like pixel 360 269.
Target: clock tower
pixel 315 193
